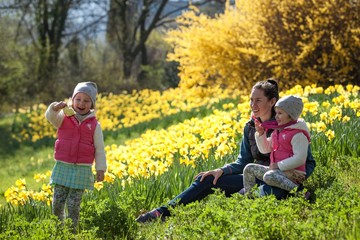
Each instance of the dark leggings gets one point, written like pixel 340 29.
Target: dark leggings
pixel 229 184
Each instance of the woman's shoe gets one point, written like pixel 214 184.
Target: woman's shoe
pixel 150 216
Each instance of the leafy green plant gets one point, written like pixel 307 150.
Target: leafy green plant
pixel 109 218
pixel 49 228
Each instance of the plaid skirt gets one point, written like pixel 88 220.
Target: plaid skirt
pixel 72 176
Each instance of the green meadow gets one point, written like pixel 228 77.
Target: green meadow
pixel 333 211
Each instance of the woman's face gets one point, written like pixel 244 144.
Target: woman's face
pixel 282 117
pixel 260 105
pixel 82 103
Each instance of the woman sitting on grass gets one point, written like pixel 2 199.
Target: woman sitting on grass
pixel 229 178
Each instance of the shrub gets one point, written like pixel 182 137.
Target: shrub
pixel 108 217
pixel 49 228
pixel 298 42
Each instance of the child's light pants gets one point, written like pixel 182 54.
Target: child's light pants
pixel 72 197
pixel 276 177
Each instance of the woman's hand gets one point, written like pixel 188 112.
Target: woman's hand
pixel 217 173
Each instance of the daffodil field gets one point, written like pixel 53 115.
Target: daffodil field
pixel 149 168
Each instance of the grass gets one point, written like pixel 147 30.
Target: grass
pixel 24 164
pixel 7 144
pixel 332 213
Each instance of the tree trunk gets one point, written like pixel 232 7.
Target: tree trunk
pixel 130 25
pixel 127 66
pixel 50 20
pixel 128 33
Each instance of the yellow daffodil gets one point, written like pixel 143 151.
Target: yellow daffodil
pixel 188 142
pixel 330 134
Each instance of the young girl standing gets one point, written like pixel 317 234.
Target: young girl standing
pixel 80 141
pixel 287 145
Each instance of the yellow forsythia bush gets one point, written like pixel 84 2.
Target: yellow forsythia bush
pixel 298 42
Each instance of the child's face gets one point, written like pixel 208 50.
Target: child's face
pixel 82 103
pixel 282 117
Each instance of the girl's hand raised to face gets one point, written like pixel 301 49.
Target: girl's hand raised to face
pixel 260 129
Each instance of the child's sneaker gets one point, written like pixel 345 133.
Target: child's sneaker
pixel 150 216
pixel 242 191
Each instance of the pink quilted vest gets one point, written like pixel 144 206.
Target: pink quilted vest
pixel 75 143
pixel 281 143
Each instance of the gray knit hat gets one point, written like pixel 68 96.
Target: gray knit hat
pixel 292 105
pixel 90 88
